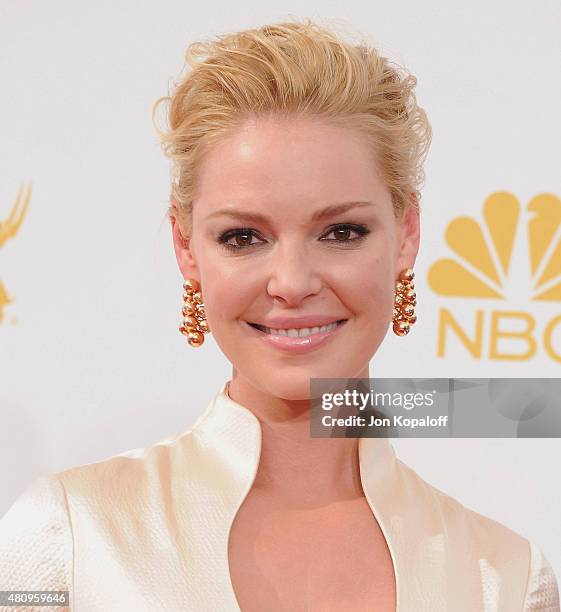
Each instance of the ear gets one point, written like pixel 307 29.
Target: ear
pixel 408 236
pixel 183 253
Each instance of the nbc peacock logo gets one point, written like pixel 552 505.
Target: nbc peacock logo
pixel 510 262
pixel 8 229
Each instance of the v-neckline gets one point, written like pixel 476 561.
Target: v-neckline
pixel 238 437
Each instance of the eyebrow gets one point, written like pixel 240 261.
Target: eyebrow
pixel 324 213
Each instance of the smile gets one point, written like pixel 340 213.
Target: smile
pixel 297 340
pixel 300 332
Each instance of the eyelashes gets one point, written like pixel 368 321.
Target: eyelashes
pixel 340 230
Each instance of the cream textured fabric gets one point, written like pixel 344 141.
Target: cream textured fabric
pixel 543 593
pixel 148 530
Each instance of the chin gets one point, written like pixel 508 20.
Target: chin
pixel 289 383
pixel 296 391
pixel 293 382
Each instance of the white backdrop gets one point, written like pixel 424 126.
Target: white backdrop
pixel 91 361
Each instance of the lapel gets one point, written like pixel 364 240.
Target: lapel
pixel 436 565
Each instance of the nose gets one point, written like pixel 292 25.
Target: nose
pixel 294 274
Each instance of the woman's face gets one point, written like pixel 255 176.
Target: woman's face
pixel 268 247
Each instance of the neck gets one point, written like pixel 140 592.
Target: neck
pixel 296 469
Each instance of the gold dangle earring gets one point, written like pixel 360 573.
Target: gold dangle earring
pixel 194 324
pixel 404 303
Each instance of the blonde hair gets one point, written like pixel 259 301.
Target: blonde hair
pixel 294 69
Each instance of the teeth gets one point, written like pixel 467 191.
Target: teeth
pixel 300 333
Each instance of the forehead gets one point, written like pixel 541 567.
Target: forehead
pixel 286 164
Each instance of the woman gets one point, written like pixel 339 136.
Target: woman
pixel 295 222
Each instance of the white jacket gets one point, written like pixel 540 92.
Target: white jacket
pixel 148 530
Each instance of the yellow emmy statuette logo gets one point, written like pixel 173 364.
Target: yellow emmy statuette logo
pixel 8 229
pixel 484 268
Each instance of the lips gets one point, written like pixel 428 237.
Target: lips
pixel 290 341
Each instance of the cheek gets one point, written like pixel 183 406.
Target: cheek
pixel 229 298
pixel 369 287
pixel 373 303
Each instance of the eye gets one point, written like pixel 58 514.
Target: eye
pixel 343 230
pixel 241 236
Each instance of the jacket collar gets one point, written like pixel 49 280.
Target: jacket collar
pixel 441 553
pixel 232 431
